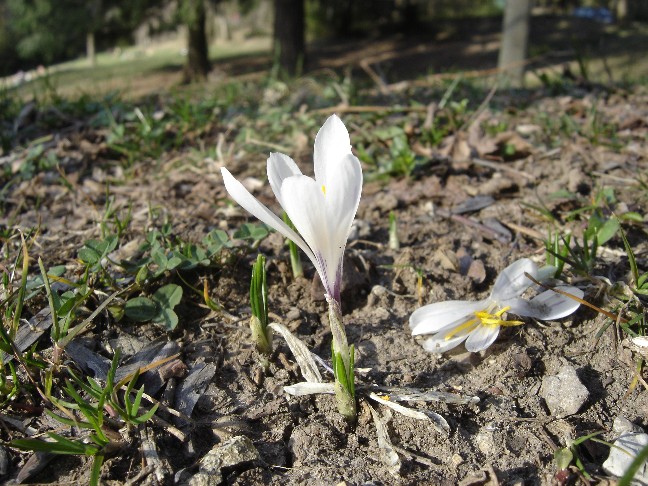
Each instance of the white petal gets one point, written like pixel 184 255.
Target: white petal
pixel 512 282
pixel 548 305
pixel 305 205
pixel 343 191
pixel 280 167
pixel 432 318
pixel 251 204
pixel 438 344
pixel 545 273
pixel 341 200
pixel 332 144
pixel 481 338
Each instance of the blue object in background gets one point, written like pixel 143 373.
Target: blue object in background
pixel 598 14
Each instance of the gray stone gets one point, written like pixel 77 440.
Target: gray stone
pixel 622 426
pixel 4 461
pixel 564 393
pixel 205 479
pixel 485 441
pixel 235 452
pixel 231 453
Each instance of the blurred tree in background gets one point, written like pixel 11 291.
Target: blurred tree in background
pixel 194 15
pixel 34 32
pixel 288 45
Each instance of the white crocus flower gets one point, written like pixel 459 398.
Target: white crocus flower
pixel 478 323
pixel 322 209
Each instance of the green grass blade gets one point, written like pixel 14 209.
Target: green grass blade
pixel 21 291
pixel 146 416
pixel 77 329
pixel 631 257
pixel 50 299
pixel 95 472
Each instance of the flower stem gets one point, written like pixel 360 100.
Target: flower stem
pixel 343 357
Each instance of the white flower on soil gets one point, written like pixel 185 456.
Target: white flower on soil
pixel 478 323
pixel 322 209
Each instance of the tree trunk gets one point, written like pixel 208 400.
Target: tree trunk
pixel 515 35
pixel 91 54
pixel 197 66
pixel 622 11
pixel 289 35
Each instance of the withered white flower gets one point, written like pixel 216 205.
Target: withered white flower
pixel 322 209
pixel 478 323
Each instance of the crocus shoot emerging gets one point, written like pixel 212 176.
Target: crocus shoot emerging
pixel 322 210
pixel 478 323
pixel 261 333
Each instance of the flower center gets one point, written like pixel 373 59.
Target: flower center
pixel 324 189
pixel 486 318
pixel 495 320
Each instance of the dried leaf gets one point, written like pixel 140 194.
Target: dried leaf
pixel 307 388
pixel 437 421
pixel 192 387
pixel 301 353
pixel 389 455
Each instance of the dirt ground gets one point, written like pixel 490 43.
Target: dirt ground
pixel 460 222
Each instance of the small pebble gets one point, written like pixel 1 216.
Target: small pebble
pixel 564 393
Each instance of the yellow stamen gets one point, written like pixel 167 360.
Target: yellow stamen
pixel 495 320
pixel 484 318
pixel 324 189
pixel 471 323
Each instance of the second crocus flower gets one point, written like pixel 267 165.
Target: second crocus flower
pixel 478 323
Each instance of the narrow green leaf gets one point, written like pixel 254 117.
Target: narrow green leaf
pixel 50 300
pixel 582 439
pixel 632 216
pixel 137 401
pixel 631 259
pixel 70 422
pixel 146 416
pixel 71 334
pixel 60 446
pixel 95 473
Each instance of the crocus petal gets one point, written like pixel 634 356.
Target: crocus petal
pixel 481 338
pixel 332 144
pixel 512 282
pixel 439 344
pixel 545 273
pixel 305 205
pixel 251 204
pixel 433 318
pixel 548 305
pixel 342 196
pixel 280 167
